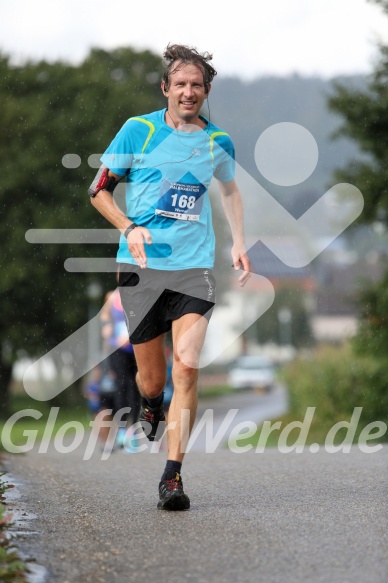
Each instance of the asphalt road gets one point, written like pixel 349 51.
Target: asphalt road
pixel 256 517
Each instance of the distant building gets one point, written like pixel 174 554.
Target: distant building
pixel 241 307
pixel 339 281
pixel 329 287
pixel 267 263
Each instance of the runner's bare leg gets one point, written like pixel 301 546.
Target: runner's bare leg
pixel 188 334
pixel 152 366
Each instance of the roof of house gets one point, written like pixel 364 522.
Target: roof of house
pixel 266 262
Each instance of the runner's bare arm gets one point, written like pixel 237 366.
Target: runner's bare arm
pixel 105 204
pixel 233 208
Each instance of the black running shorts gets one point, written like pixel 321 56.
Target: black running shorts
pixel 152 298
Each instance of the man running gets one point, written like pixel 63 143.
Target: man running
pixel 166 252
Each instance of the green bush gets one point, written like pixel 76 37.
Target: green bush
pixel 335 381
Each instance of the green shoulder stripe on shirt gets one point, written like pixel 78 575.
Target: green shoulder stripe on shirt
pixel 150 132
pixel 213 136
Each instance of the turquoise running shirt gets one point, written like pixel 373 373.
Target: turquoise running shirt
pixel 167 177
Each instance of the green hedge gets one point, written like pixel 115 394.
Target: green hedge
pixel 335 381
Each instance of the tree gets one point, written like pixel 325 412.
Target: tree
pixel 365 116
pixel 366 121
pixel 49 110
pixel 372 337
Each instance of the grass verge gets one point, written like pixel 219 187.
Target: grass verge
pixel 209 392
pixel 12 568
pixel 345 394
pixel 28 427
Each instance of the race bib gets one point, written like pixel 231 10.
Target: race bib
pixel 182 200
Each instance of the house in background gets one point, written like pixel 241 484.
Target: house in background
pixel 239 308
pixel 341 275
pixel 328 287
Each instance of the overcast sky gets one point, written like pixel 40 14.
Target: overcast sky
pixel 248 38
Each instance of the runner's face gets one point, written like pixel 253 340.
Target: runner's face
pixel 186 94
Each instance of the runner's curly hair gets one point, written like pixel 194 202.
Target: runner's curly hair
pixel 187 56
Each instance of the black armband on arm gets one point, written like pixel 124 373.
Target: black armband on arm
pixel 102 181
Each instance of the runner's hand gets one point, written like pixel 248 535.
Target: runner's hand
pixel 241 261
pixel 136 239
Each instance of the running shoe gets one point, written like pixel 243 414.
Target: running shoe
pixel 149 419
pixel 171 494
pixel 130 444
pixel 120 436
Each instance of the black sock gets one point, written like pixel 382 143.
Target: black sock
pixel 172 467
pixel 156 401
